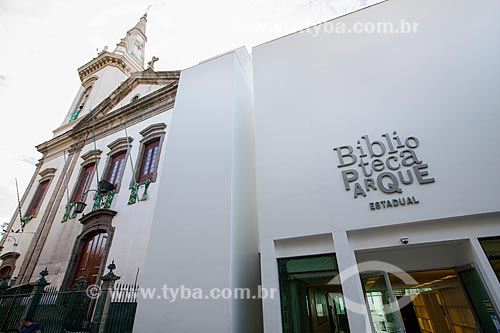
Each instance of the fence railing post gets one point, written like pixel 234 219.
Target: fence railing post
pixel 104 300
pixel 36 294
pixel 4 285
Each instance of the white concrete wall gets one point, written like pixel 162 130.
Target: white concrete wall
pixel 313 94
pixel 204 229
pixel 245 315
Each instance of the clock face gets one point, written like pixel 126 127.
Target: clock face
pixel 138 50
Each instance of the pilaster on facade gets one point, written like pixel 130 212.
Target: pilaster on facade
pixel 42 231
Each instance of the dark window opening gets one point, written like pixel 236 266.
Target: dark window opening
pixel 84 182
pixel 149 161
pixel 36 202
pixel 115 170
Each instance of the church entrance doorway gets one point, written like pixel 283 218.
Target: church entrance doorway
pixel 91 257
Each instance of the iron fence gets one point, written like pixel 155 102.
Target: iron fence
pixel 13 303
pixel 65 310
pixel 69 310
pixel 121 313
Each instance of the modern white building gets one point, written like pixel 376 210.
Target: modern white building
pixel 378 152
pixel 350 167
pixel 375 160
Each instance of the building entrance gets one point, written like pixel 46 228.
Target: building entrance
pixel 436 303
pixel 443 291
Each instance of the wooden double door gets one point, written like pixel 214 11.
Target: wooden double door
pixel 91 258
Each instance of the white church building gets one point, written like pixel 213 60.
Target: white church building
pixel 348 179
pixel 115 131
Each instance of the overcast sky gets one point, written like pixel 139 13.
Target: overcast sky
pixel 44 42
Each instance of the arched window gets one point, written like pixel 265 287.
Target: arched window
pixel 8 265
pixel 37 198
pixel 149 156
pixel 115 169
pixel 117 160
pixel 90 260
pixel 83 184
pixel 81 104
pixel 5 271
pixel 149 161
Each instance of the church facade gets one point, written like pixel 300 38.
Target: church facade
pixel 346 180
pixel 106 154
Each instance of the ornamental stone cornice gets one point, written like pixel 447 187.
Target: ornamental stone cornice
pixel 150 105
pixel 101 216
pixel 107 59
pixel 120 144
pixel 106 122
pixel 91 154
pixel 153 129
pixel 145 77
pixel 47 174
pixel 56 146
pixel 10 255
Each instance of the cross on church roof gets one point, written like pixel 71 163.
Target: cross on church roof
pixel 151 63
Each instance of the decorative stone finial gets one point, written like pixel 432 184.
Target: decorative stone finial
pixel 103 50
pixel 109 279
pixel 111 268
pixel 43 274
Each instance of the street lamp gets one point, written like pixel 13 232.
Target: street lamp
pixel 79 206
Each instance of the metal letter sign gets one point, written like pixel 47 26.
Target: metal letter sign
pixel 386 165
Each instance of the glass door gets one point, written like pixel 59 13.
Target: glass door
pixel 384 312
pixel 311 300
pixel 434 302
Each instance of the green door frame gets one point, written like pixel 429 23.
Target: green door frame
pixel 479 298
